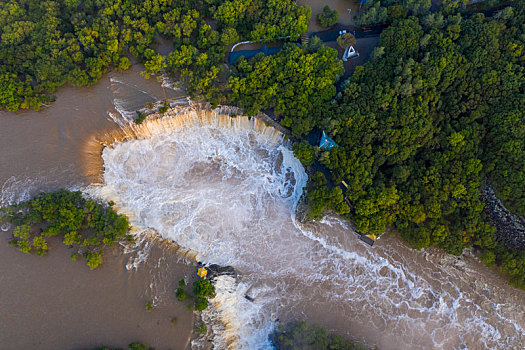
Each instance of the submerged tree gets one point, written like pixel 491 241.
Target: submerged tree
pixel 300 335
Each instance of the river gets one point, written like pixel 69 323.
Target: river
pixel 225 189
pixel 51 302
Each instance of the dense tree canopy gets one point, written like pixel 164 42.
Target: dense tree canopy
pixel 80 222
pixel 203 290
pixel 297 82
pixel 383 11
pixel 45 44
pixel 328 17
pixel 262 19
pixel 504 151
pixel 346 40
pixel 437 109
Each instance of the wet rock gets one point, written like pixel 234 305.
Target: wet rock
pixel 215 270
pixel 510 227
pixel 300 210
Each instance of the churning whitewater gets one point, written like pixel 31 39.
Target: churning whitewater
pixel 227 193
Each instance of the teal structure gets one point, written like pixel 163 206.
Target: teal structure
pixel 326 142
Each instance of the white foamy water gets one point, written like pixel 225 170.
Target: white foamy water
pixel 228 194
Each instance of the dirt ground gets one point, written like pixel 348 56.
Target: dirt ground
pixel 342 6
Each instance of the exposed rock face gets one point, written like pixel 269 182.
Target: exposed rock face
pixel 510 227
pixel 215 270
pixel 300 210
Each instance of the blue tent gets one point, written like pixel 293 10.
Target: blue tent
pixel 327 142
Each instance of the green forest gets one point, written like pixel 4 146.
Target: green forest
pixel 81 223
pixel 46 44
pixel 434 115
pixel 297 82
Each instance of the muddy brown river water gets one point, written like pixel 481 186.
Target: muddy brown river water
pixel 51 302
pixel 224 189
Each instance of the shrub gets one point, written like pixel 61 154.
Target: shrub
pixel 304 152
pixel 201 328
pixel 94 259
pixel 346 40
pixel 181 294
pixel 396 12
pixel 201 303
pixel 22 235
pixel 164 108
pixel 328 17
pixel 140 117
pixel 149 306
pixel 74 256
pixel 203 288
pixel 313 45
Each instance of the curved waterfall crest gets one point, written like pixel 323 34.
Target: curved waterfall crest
pixel 192 164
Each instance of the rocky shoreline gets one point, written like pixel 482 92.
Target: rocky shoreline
pixel 301 209
pixel 510 227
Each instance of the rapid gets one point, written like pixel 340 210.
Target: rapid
pixel 225 190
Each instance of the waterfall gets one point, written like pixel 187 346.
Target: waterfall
pixel 224 187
